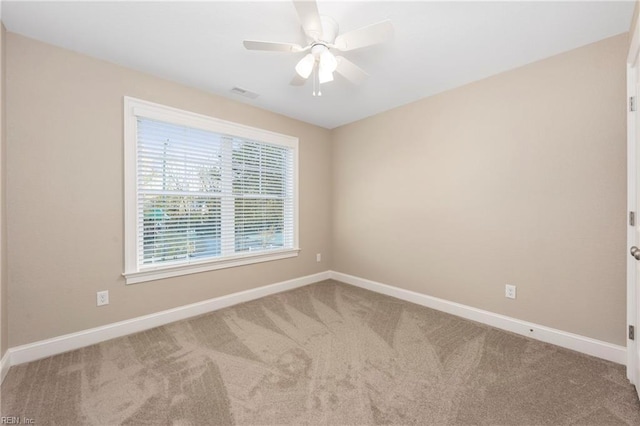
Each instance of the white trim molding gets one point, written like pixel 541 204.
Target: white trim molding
pixel 4 365
pixel 193 268
pixel 68 342
pixel 215 150
pixel 632 202
pixel 585 345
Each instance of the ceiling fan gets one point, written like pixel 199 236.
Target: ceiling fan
pixel 322 40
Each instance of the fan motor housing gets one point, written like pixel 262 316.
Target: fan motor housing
pixel 329 29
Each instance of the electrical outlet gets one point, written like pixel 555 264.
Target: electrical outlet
pixel 319 257
pixel 510 291
pixel 103 298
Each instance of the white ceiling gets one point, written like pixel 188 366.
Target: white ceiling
pixel 437 45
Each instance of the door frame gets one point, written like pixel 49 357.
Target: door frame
pixel 632 239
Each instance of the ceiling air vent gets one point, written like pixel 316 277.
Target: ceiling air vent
pixel 244 92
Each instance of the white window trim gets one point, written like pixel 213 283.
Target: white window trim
pixel 138 108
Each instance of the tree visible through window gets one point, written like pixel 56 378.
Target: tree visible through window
pixel 259 188
pixel 203 195
pixel 179 192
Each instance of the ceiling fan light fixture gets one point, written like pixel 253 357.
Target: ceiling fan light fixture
pixel 305 66
pixel 328 62
pixel 324 76
pixel 323 40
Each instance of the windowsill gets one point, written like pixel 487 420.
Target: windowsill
pixel 159 273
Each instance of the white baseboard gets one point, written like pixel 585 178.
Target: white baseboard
pixel 68 342
pixel 586 345
pixel 4 366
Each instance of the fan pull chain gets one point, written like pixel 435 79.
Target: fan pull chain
pixel 316 82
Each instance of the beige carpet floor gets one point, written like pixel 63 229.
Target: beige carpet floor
pixel 327 353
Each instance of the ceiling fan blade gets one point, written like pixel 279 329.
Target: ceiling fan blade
pixel 309 18
pixel 298 81
pixel 365 36
pixel 272 46
pixel 350 71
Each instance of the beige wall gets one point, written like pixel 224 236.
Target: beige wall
pixel 519 178
pixel 4 323
pixel 65 193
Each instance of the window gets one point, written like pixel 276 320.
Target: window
pixel 204 194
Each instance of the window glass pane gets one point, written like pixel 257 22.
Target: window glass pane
pixel 179 187
pixel 259 168
pixel 206 195
pixel 178 158
pixel 178 227
pixel 259 224
pixel 259 185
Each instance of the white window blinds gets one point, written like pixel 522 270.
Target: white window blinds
pixel 203 196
